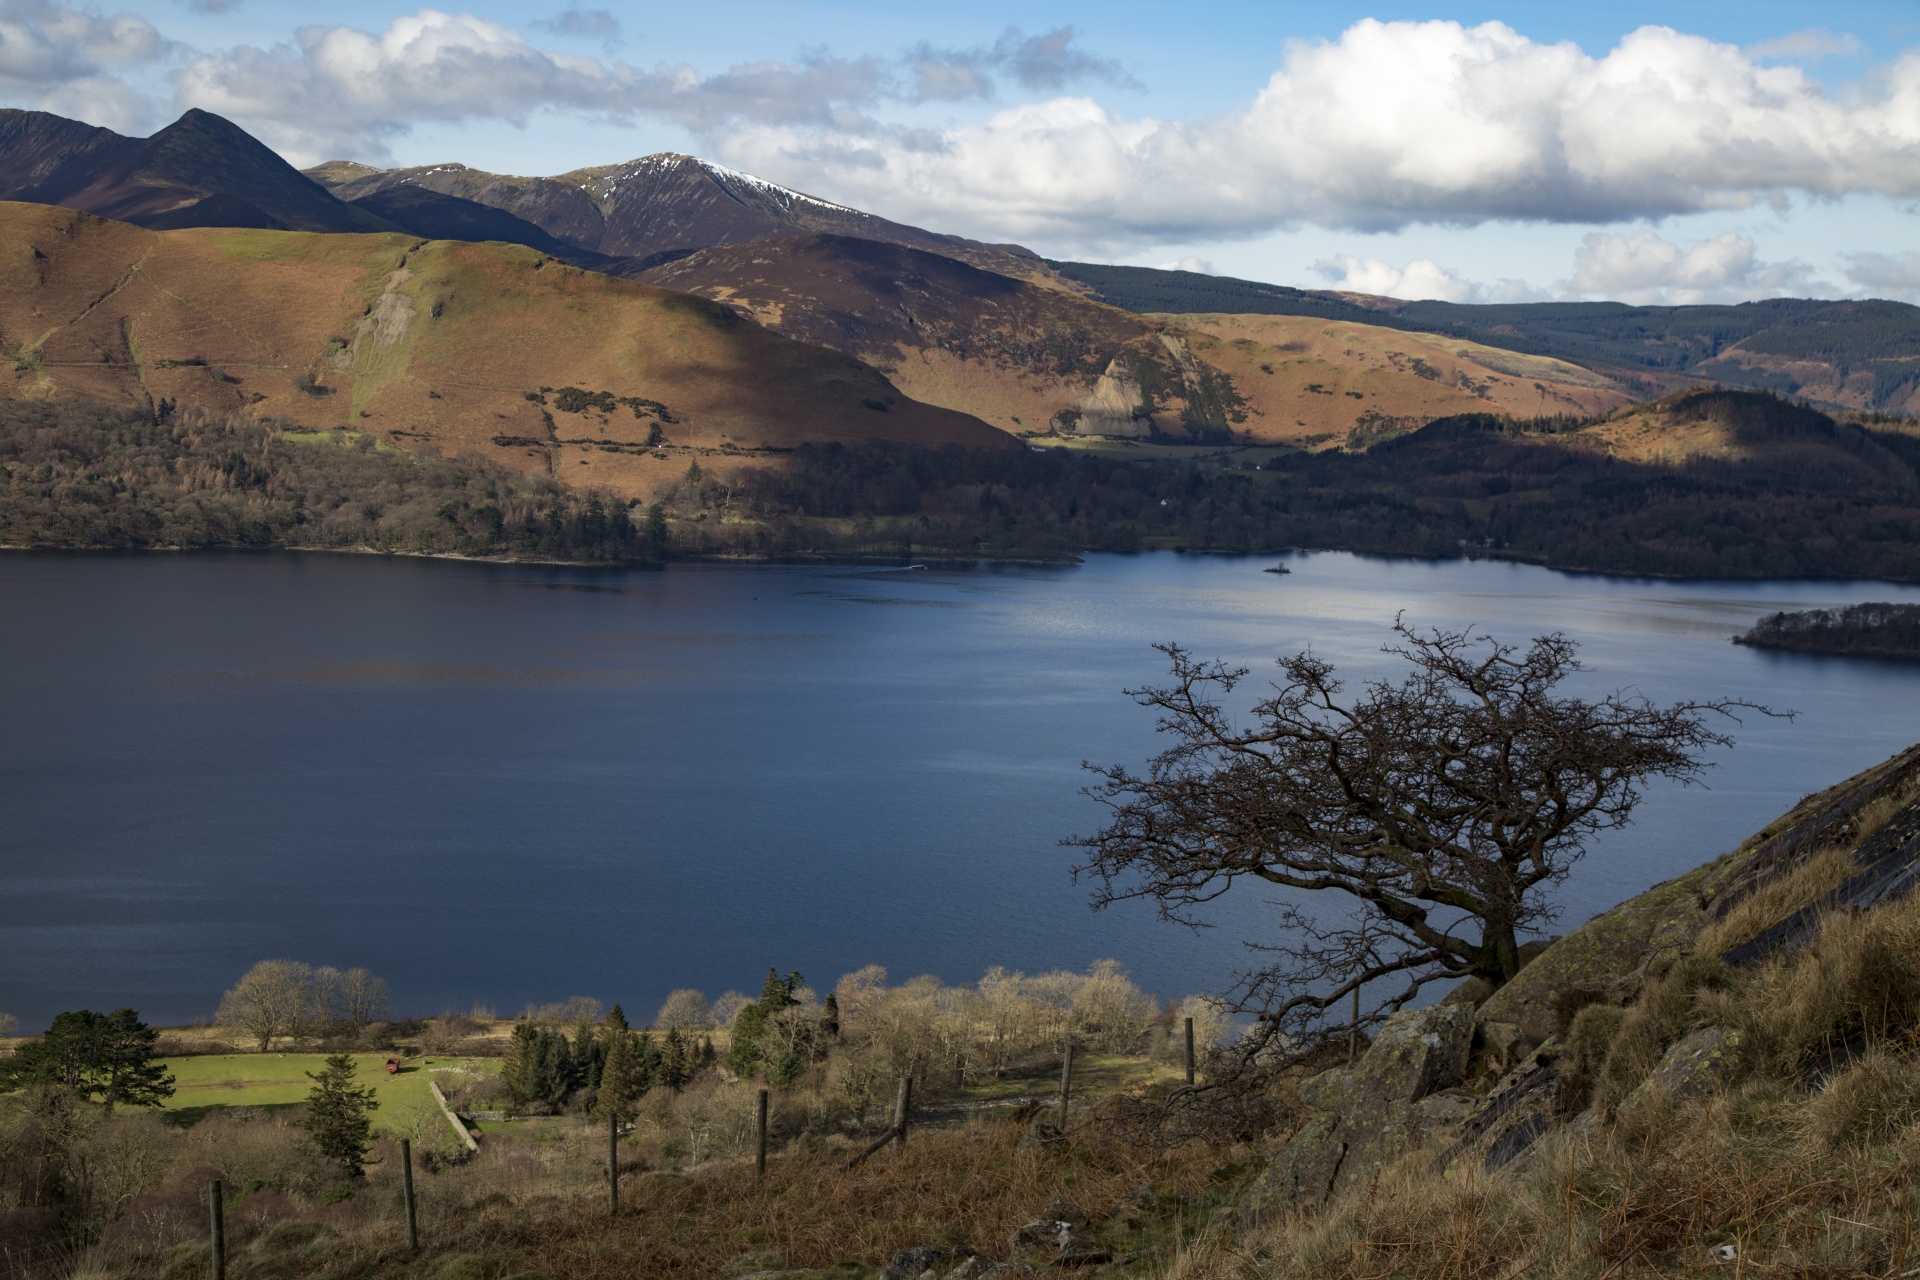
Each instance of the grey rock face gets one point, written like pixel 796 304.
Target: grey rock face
pixel 1368 1113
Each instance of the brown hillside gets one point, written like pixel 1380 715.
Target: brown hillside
pixel 948 333
pixel 432 344
pixel 1025 357
pixel 1311 381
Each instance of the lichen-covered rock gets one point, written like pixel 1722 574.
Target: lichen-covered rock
pixel 1515 1112
pixel 1690 1068
pixel 911 1264
pixel 1063 1233
pixel 1609 957
pixel 1370 1112
pixel 1418 1051
pixel 1301 1172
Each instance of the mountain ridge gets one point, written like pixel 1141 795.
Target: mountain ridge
pixel 427 345
pixel 171 175
pixel 668 203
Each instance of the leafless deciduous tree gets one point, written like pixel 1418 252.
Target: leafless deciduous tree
pixel 361 997
pixel 1443 807
pixel 684 1007
pixel 269 1001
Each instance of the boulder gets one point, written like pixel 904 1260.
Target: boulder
pixel 1607 958
pixel 1505 1124
pixel 911 1264
pixel 1372 1111
pixel 1063 1233
pixel 1691 1067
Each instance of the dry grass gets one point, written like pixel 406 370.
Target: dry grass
pixel 541 1208
pixel 1775 901
pixel 1804 1161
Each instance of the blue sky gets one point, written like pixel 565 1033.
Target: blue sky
pixel 1685 151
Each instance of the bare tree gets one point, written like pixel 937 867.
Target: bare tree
pixel 269 1000
pixel 325 1004
pixel 1442 807
pixel 362 997
pixel 684 1008
pixel 728 1007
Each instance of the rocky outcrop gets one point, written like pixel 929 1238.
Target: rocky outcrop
pixel 1400 1093
pixel 1116 407
pixel 1890 870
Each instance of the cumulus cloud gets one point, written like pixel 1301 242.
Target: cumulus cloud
pixel 1886 275
pixel 1420 279
pixel 66 60
pixel 1397 123
pixel 1189 263
pixel 1048 61
pixel 1644 268
pixel 585 24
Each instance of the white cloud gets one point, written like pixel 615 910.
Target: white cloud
pixel 1886 275
pixel 1189 263
pixel 1644 269
pixel 1390 125
pixel 62 59
pixel 1421 278
pixel 344 92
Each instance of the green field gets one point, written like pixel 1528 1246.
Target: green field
pixel 203 1083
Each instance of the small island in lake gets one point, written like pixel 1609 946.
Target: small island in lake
pixel 1871 630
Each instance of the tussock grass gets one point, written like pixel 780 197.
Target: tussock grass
pixel 1804 1159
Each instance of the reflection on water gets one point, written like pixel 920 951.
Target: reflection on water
pixel 514 784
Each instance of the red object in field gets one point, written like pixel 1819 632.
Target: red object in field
pixel 393 1066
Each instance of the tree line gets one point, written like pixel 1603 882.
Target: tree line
pixel 75 474
pixel 1815 498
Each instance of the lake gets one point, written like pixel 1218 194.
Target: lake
pixel 505 784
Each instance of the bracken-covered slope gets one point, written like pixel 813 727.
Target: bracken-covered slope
pixel 432 344
pixel 1025 357
pixel 1858 354
pixel 664 205
pixel 201 170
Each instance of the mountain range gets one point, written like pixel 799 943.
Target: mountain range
pixel 921 321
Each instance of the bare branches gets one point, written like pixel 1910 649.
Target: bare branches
pixel 1445 805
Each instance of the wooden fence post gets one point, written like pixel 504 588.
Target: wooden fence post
pixel 216 1207
pixel 1189 1050
pixel 902 1104
pixel 1066 1085
pixel 613 1165
pixel 406 1193
pixel 760 1135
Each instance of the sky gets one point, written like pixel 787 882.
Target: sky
pixel 1686 151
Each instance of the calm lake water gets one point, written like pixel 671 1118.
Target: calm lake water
pixel 508 784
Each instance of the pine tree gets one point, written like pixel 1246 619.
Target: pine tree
pixel 589 1055
pixel 102 1057
pixel 337 1115
pixel 520 1072
pixel 652 1069
pixel 673 1060
pixel 615 1019
pixel 557 1077
pixel 830 1017
pixel 623 1077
